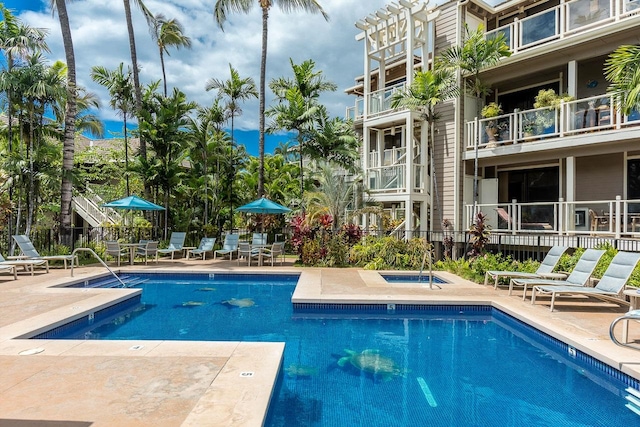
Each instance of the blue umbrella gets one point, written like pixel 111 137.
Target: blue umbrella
pixel 133 203
pixel 263 206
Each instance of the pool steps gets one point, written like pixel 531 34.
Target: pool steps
pixel 110 282
pixel 633 399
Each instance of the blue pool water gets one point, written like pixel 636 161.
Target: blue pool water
pixel 470 366
pixel 411 278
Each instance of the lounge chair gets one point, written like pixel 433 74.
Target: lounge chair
pixel 206 245
pixel 28 250
pixel 246 251
pixel 229 246
pixel 274 253
pixel 608 288
pixel 116 251
pixel 147 249
pixel 176 242
pixel 28 264
pixel 10 269
pixel 579 277
pixel 545 270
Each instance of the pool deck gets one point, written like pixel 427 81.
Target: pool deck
pixel 171 383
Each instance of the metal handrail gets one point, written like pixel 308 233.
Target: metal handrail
pixel 99 259
pixel 632 315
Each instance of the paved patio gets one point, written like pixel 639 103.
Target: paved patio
pixel 169 383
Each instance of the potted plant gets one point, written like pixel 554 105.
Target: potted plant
pixel 490 110
pixel 550 101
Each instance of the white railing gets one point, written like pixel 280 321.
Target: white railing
pixel 569 118
pixel 563 21
pixel 390 156
pixel 380 100
pixel 356 113
pixel 590 217
pixel 386 178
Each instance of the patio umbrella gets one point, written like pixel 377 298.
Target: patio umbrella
pixel 133 203
pixel 263 206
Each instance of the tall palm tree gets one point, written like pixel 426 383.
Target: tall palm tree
pixel 134 61
pixel 66 191
pixel 472 57
pixel 168 32
pixel 333 140
pixel 222 9
pixel 622 71
pixel 234 89
pixel 427 90
pixel 121 90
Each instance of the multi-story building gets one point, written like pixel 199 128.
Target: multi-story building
pixel 567 169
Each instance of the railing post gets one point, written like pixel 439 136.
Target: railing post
pixel 618 217
pixel 515 215
pixel 561 222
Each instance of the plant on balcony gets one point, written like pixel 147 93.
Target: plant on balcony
pixel 490 110
pixel 550 100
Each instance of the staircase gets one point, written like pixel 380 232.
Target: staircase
pixel 88 207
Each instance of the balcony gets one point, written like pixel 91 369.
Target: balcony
pixel 379 102
pixel 563 21
pixel 592 114
pixel 606 218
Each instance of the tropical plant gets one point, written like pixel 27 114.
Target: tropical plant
pixel 475 54
pixel 479 233
pixel 332 140
pixel 235 89
pixel 222 9
pixel 622 71
pixel 428 89
pixel 121 91
pixel 167 32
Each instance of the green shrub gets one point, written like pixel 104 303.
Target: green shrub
pixel 389 253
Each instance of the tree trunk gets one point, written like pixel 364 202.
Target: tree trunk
pixel 263 72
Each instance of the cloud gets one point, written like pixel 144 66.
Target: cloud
pixel 100 38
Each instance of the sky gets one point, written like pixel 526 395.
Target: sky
pixel 100 37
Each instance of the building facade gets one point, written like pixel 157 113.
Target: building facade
pixel 569 167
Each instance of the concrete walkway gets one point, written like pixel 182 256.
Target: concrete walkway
pixel 168 383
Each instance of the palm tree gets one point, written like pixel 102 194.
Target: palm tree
pixel 474 55
pixel 428 89
pixel 235 89
pixel 16 41
pixel 66 193
pixel 121 90
pixel 134 61
pixel 167 32
pixel 623 73
pixel 333 140
pixel 222 8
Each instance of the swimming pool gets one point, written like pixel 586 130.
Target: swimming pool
pixel 445 366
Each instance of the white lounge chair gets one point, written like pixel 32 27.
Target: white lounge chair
pixel 10 269
pixel 545 270
pixel 176 242
pixel 28 264
pixel 28 250
pixel 206 245
pixel 229 246
pixel 608 288
pixel 579 277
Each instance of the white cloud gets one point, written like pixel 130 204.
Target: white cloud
pixel 100 38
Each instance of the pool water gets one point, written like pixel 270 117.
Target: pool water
pixel 469 367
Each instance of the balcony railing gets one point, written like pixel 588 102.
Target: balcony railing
pixel 583 115
pixel 390 156
pixel 389 178
pixel 380 100
pixel 591 217
pixel 562 21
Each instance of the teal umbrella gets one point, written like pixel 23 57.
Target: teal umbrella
pixel 133 203
pixel 263 206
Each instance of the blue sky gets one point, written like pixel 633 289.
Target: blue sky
pixel 100 38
